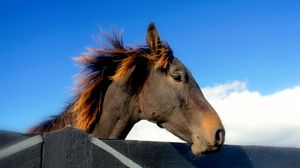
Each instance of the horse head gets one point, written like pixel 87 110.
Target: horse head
pixel 172 98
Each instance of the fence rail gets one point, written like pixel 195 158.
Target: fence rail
pixel 71 147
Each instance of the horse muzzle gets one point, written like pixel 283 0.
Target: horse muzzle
pixel 200 144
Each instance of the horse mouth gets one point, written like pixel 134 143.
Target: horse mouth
pixel 203 149
pixel 200 147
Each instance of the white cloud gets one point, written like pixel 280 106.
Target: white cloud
pixel 147 131
pixel 249 117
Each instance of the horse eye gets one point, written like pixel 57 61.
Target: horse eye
pixel 177 77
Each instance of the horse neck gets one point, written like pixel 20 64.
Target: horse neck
pixel 119 113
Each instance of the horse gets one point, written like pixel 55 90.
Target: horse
pixel 120 85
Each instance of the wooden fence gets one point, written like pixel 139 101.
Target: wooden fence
pixel 72 148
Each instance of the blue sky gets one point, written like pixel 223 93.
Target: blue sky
pixel 220 41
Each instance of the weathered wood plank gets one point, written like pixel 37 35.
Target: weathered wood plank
pixel 67 148
pixel 102 159
pixel 26 153
pixel 22 145
pixel 8 138
pixel 275 157
pixel 29 158
pixel 106 151
pixel 71 148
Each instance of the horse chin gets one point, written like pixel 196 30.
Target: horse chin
pixel 200 146
pixel 198 150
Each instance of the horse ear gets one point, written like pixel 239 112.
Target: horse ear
pixel 153 40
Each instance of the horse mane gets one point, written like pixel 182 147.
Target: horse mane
pixel 101 67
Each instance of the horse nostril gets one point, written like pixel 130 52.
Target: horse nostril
pixel 219 137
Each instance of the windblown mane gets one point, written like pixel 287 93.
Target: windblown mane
pixel 100 68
